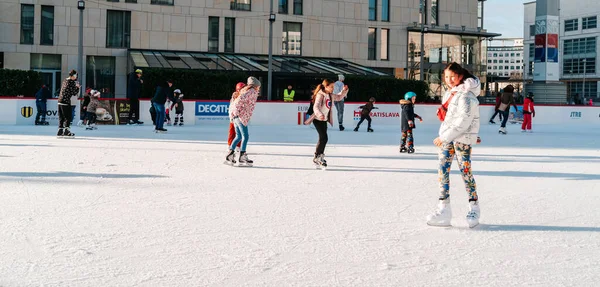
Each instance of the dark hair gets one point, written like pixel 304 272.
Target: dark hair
pixel 459 70
pixel 72 72
pixel 509 89
pixel 169 81
pixel 320 87
pixel 372 99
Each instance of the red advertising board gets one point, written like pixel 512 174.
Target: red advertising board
pixel 552 41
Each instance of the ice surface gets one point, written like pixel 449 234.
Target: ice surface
pixel 123 206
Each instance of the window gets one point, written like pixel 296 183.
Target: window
pixel 500 68
pixel 1 60
pixel 505 54
pixel 591 89
pixel 506 74
pixel 27 15
pixel 298 7
pixel 577 66
pixel 372 10
pixel 589 23
pixel 229 35
pixel 518 67
pixel 495 61
pixel 241 5
pixel 213 34
pixel 505 67
pixel 495 54
pixel 130 1
pixel 422 12
pixel 512 67
pixel 118 29
pixel 385 44
pixel 372 39
pixel 531 52
pixel 47 28
pixel 518 54
pixel 512 54
pixel 283 6
pixel 501 61
pixel 518 61
pixel 161 2
pixel 480 14
pixel 571 25
pixel 434 12
pixel 489 61
pixel 292 38
pixel 385 10
pixel 100 75
pixel 531 30
pixel 580 46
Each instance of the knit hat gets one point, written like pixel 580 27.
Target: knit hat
pixel 409 96
pixel 253 81
pixel 372 99
pixel 239 86
pixel 178 91
pixel 341 77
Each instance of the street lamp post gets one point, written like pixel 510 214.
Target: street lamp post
pixel 584 67
pixel 270 72
pixel 422 66
pixel 81 7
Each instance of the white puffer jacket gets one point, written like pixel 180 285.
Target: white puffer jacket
pixel 462 119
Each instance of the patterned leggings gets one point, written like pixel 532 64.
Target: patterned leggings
pixel 463 156
pixel 407 138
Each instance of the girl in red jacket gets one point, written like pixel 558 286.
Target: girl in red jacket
pixel 235 95
pixel 528 112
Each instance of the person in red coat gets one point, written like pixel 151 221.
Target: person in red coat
pixel 528 112
pixel 235 95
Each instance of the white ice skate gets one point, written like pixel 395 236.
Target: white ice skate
pixel 442 216
pixel 244 161
pixel 502 131
pixel 473 214
pixel 80 123
pixel 320 162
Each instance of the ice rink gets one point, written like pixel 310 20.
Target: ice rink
pixel 123 206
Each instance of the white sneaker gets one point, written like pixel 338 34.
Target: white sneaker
pixel 80 123
pixel 442 216
pixel 473 214
pixel 502 130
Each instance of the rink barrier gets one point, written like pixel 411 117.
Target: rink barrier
pixel 22 111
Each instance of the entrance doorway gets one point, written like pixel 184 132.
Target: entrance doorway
pixel 51 78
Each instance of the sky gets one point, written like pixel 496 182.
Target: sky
pixel 504 17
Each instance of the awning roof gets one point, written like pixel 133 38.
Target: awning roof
pixel 453 31
pixel 247 62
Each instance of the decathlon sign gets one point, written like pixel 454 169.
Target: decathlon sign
pixel 212 111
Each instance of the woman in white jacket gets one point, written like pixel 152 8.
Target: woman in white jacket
pixel 458 133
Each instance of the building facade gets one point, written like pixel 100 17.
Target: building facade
pixel 578 46
pixel 383 35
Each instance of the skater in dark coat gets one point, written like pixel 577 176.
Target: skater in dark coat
pixel 69 88
pixel 158 102
pixel 178 107
pixel 365 114
pixel 41 99
pixel 408 122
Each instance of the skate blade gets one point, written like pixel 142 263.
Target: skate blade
pixel 473 225
pixel 439 224
pixel 229 163
pixel 244 165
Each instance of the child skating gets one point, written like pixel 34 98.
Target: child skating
pixel 91 110
pixel 241 113
pixel 234 96
pixel 178 108
pixel 408 122
pixel 528 113
pixel 457 134
pixel 365 114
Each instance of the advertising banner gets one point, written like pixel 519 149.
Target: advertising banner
pixel 207 112
pixel 540 48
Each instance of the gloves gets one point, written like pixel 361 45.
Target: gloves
pixel 533 114
pixel 420 119
pixel 411 124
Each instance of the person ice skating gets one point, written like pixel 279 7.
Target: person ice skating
pixel 69 89
pixel 168 105
pixel 241 112
pixel 234 96
pixel 158 101
pixel 91 110
pixel 178 108
pixel 321 102
pixel 457 135
pixel 408 122
pixel 365 114
pixel 496 111
pixel 338 89
pixel 41 102
pixel 288 94
pixel 83 110
pixel 528 112
pixel 506 100
pixel 134 89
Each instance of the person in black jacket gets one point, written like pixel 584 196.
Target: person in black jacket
pixel 178 107
pixel 69 88
pixel 408 122
pixel 365 114
pixel 41 98
pixel 158 101
pixel 134 88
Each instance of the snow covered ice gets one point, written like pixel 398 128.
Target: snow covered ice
pixel 123 206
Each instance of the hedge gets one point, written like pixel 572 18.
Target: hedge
pixel 199 84
pixel 19 82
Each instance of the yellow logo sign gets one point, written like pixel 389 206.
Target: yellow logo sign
pixel 27 112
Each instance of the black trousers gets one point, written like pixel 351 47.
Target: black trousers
pixel 65 116
pixel 91 117
pixel 363 118
pixel 134 109
pixel 321 128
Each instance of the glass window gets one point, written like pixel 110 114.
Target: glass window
pixel 591 88
pixel 1 60
pixel 372 43
pixel 531 30
pixel 161 2
pixel 505 54
pixel 589 23
pixel 298 7
pixel 292 39
pixel 489 61
pixel 479 14
pixel 385 40
pixel 118 29
pixel 495 54
pixel 495 61
pixel 100 75
pixel 580 46
pixel 385 10
pixel 500 68
pixel 434 12
pixel 531 51
pixel 372 10
pixel 242 5
pixel 422 12
pixel 130 1
pixel 512 54
pixel 518 54
pixel 512 67
pixel 45 61
pixel 47 28
pixel 27 16
pixel 229 35
pixel 506 67
pixel 571 25
pixel 283 6
pixel 518 61
pixel 213 34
